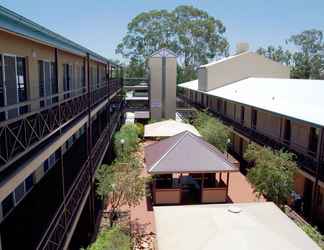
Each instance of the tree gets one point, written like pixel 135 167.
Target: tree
pixel 277 54
pixel 272 174
pixel 121 183
pixel 305 63
pixel 191 33
pixel 212 130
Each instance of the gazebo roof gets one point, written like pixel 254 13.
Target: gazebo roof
pixel 185 153
pixel 168 128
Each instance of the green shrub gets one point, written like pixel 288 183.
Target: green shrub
pixel 273 172
pixel 140 129
pixel 111 239
pixel 314 234
pixel 212 130
pixel 128 134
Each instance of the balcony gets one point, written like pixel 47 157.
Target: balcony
pixel 305 159
pixel 42 118
pixel 56 233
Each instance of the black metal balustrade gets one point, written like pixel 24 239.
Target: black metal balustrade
pixel 56 233
pixel 305 161
pixel 21 134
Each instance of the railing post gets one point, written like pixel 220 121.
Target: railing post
pixel 60 123
pixel 89 141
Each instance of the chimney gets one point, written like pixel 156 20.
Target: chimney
pixel 241 47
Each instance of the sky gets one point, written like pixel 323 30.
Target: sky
pixel 101 24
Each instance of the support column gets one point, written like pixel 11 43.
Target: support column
pixel 318 165
pixel 227 183
pixel 89 144
pixel 202 187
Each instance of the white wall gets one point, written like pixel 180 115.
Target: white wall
pixel 239 67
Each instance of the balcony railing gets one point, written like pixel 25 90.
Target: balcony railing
pixel 305 160
pixel 56 233
pixel 44 116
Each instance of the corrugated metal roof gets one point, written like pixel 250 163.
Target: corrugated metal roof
pixel 13 22
pixel 168 128
pixel 299 99
pixel 185 153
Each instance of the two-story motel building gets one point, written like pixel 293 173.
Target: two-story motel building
pixel 60 103
pixel 256 99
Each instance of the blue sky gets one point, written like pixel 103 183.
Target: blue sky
pixel 101 24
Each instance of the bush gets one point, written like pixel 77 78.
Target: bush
pixel 314 234
pixel 272 174
pixel 129 135
pixel 212 130
pixel 111 239
pixel 140 129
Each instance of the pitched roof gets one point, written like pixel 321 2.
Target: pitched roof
pixel 299 99
pixel 185 153
pixel 164 52
pixel 168 128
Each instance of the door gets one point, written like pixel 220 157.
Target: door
pixel 47 83
pixel 10 80
pixel 308 194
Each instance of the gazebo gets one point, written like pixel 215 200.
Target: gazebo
pixel 187 169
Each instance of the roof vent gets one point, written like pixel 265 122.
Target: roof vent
pixel 234 209
pixel 242 47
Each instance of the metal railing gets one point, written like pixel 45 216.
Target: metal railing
pixel 56 233
pixel 130 82
pixel 21 134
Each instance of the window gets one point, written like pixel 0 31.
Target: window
pixel 242 115
pixel 7 204
pixel 287 131
pixel 2 114
pixel 21 83
pixel 254 118
pixel 29 182
pixel 313 140
pixel 19 192
pixel 225 107
pixel 219 105
pixel 46 166
pixel 66 80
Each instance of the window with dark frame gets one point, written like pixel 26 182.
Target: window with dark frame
pixel 313 140
pixel 254 118
pixel 242 117
pixel 21 83
pixel 225 107
pixel 66 80
pixel 287 131
pixel 2 114
pixel 219 105
pixel 8 204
